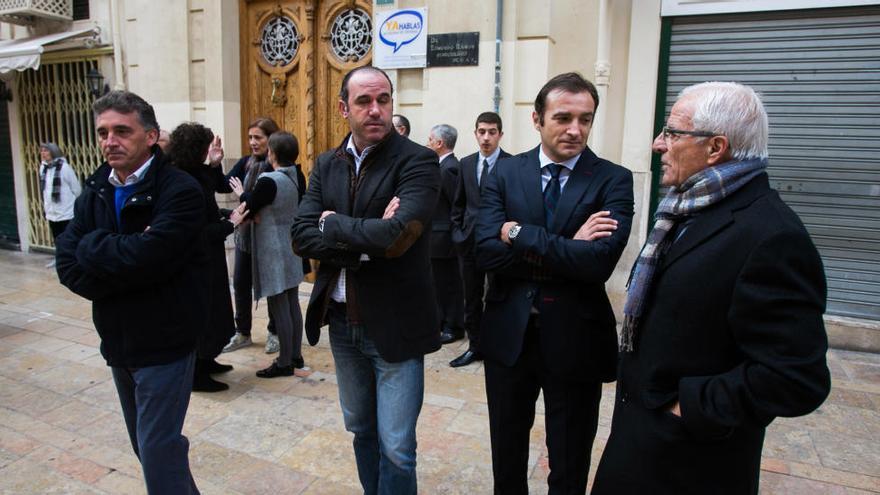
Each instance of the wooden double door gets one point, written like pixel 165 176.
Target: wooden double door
pixel 294 54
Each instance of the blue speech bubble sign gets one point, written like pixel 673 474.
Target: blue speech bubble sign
pixel 401 28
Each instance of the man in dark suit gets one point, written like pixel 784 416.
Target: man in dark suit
pixel 368 203
pixel 553 223
pixel 723 326
pixel 444 259
pixel 474 169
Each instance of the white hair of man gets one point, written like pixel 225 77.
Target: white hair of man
pixel 445 133
pixel 732 110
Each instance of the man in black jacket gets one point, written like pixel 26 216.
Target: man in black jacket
pixel 474 169
pixel 133 250
pixel 444 259
pixel 368 204
pixel 723 326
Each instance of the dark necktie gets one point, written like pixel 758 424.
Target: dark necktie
pixel 484 171
pixel 552 193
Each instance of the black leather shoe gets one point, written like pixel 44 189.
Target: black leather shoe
pixel 204 383
pixel 274 371
pixel 212 367
pixel 298 363
pixel 447 336
pixel 465 359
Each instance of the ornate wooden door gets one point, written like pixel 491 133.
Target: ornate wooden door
pixel 294 54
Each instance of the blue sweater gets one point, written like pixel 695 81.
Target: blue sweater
pixel 122 195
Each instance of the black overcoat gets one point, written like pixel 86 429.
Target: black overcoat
pixel 733 330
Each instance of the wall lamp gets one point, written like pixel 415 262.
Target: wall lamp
pixel 96 83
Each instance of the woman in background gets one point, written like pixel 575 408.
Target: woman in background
pixel 188 150
pixel 244 175
pixel 277 271
pixel 59 188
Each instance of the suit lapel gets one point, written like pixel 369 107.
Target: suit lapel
pixel 578 181
pixel 469 169
pixel 372 179
pixel 530 178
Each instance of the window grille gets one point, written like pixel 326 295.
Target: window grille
pixel 55 105
pixel 279 41
pixel 351 35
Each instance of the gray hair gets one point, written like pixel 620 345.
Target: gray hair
pixel 53 149
pixel 445 133
pixel 732 110
pixel 127 102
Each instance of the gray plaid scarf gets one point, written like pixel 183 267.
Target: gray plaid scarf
pixel 698 192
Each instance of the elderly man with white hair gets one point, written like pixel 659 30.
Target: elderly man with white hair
pixel 723 327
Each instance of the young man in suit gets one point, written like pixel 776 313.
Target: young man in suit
pixel 723 328
pixel 368 204
pixel 553 223
pixel 444 259
pixel 474 169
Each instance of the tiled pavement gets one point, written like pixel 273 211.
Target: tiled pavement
pixel 61 430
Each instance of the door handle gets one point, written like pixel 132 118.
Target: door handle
pixel 278 98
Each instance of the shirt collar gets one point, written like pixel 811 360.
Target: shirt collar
pixel 443 156
pixel 493 157
pixel 358 158
pixel 134 177
pixel 544 160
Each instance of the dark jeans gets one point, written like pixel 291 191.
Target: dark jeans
pixel 154 402
pixel 57 228
pixel 571 416
pixel 243 287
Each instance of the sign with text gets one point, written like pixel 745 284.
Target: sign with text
pixel 453 49
pixel 401 38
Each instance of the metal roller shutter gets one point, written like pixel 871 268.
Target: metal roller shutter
pixel 819 74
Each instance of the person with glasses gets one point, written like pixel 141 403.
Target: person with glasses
pixel 723 328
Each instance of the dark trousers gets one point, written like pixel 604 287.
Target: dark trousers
pixel 285 310
pixel 57 228
pixel 450 292
pixel 571 415
pixel 243 287
pixel 474 282
pixel 154 402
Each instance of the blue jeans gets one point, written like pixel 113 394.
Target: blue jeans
pixel 380 403
pixel 154 401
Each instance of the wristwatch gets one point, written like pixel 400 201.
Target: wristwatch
pixel 514 231
pixel 321 224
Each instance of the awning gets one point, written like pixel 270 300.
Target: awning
pixel 24 53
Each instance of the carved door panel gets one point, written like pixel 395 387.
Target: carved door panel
pixel 344 42
pixel 275 58
pixel 294 54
